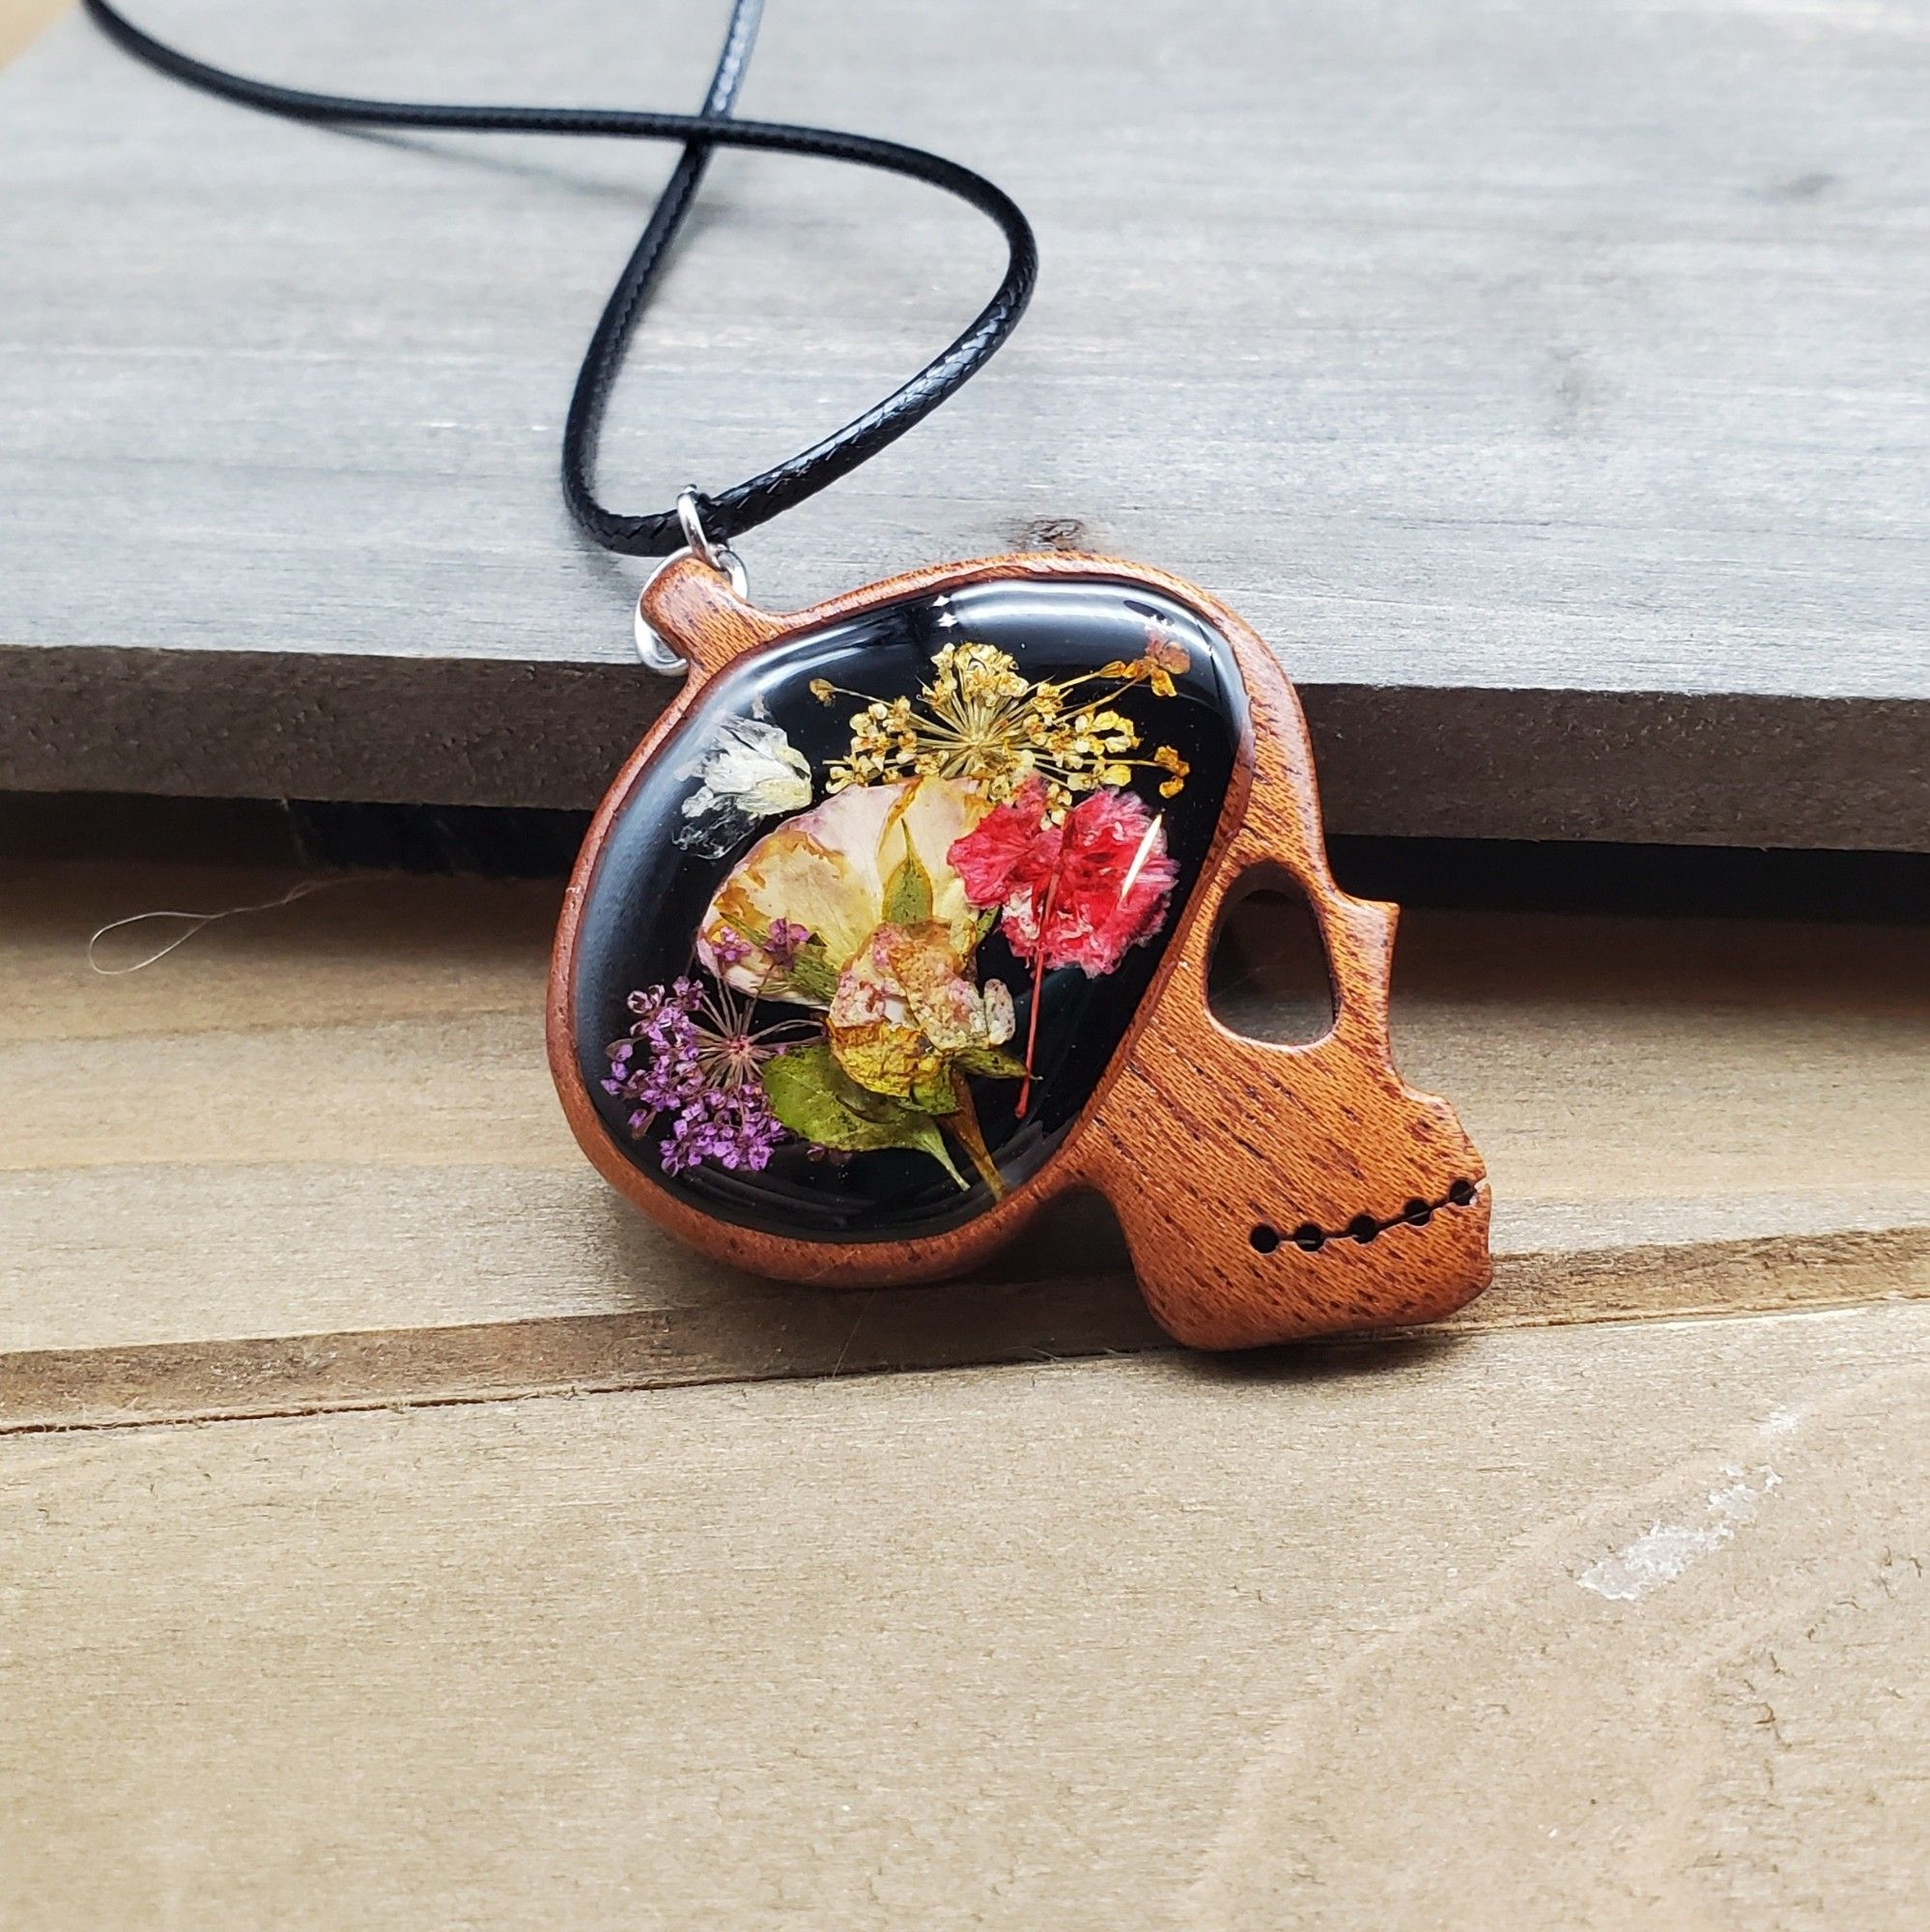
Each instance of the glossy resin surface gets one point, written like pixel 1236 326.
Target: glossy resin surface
pixel 867 929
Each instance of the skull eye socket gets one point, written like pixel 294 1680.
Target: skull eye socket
pixel 1269 978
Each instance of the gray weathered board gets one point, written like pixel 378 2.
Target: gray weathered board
pixel 1550 384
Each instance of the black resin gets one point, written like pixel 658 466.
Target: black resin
pixel 646 894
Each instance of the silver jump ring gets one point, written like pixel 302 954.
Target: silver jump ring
pixel 695 534
pixel 656 654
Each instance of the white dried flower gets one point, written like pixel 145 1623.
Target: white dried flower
pixel 1000 1020
pixel 752 773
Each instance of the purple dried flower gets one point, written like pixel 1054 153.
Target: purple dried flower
pixel 694 1054
pixel 734 1128
pixel 730 948
pixel 682 994
pixel 784 940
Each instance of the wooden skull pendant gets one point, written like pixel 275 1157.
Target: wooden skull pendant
pixel 897 927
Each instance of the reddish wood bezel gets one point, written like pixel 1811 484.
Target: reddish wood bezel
pixel 1183 1102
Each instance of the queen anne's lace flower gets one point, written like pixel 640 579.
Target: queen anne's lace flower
pixel 730 1130
pixel 980 721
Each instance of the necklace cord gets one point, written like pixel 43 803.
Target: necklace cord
pixel 743 506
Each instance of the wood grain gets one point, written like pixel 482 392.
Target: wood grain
pixel 1322 1138
pixel 1319 1641
pixel 1683 769
pixel 1275 1190
pixel 333 1120
pixel 1549 393
pixel 768 1335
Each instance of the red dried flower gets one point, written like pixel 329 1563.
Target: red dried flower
pixel 1001 849
pixel 1076 893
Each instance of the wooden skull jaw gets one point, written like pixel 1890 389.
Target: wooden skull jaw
pixel 1320 1194
pixel 1222 1156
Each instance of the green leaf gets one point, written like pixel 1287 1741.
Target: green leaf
pixel 812 973
pixel 993 1063
pixel 931 1093
pixel 908 891
pixel 815 1099
pixel 920 1133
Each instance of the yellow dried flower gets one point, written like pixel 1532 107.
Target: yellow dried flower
pixel 1164 657
pixel 981 719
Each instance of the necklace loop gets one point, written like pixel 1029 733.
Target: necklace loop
pixel 656 654
pixel 696 540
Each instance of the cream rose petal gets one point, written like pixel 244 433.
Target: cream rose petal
pixel 1000 1019
pixel 826 868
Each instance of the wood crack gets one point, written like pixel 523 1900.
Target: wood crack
pixel 806 1334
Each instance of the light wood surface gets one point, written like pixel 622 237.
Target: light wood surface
pixel 22 19
pixel 1547 386
pixel 1582 1617
pixel 1587 1627
pixel 331 1121
pixel 1581 1613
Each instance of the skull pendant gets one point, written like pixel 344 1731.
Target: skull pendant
pixel 898 925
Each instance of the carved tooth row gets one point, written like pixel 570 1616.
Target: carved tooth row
pixel 1364 1228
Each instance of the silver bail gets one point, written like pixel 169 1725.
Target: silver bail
pixel 655 653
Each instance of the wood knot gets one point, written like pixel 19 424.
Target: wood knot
pixel 1051 533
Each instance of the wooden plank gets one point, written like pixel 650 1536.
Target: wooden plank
pixel 22 19
pixel 312 1158
pixel 1681 768
pixel 1553 1629
pixel 753 1337
pixel 1551 393
pixel 1394 760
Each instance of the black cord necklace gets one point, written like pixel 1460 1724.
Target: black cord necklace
pixel 896 924
pixel 728 513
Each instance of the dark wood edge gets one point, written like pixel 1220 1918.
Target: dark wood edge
pixel 800 1334
pixel 1649 767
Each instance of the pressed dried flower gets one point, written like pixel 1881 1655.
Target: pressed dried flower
pixel 695 1055
pixel 782 941
pixel 852 908
pixel 1079 892
pixel 906 1008
pixel 730 1130
pixel 825 874
pixel 1076 893
pixel 1165 658
pixel 979 720
pixel 752 772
